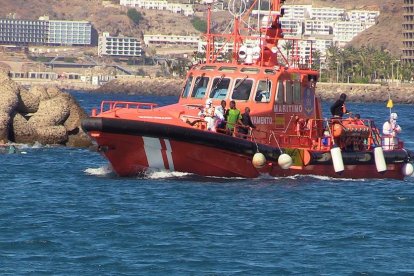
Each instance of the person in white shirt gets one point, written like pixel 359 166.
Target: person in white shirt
pixel 390 130
pixel 211 115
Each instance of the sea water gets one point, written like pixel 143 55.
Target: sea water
pixel 63 212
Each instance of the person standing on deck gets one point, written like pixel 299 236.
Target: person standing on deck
pixel 233 117
pixel 221 123
pixel 390 129
pixel 338 109
pixel 247 123
pixel 211 115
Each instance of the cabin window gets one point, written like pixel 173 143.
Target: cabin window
pixel 280 93
pixel 187 87
pixel 269 71
pixel 200 87
pixel 242 89
pixel 250 70
pixel 227 69
pixel 297 99
pixel 288 92
pixel 208 68
pixel 263 92
pixel 220 88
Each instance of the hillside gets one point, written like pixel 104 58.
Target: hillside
pixel 115 21
pixel 109 19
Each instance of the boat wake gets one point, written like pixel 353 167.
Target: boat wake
pixel 328 178
pixel 302 176
pixel 101 171
pixel 160 174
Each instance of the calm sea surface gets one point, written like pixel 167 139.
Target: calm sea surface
pixel 63 212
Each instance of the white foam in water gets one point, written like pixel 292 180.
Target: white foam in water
pixel 298 176
pixel 101 171
pixel 37 145
pixel 328 178
pixel 164 174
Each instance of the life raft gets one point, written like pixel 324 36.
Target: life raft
pixel 350 128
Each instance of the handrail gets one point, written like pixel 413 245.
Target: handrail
pixel 113 105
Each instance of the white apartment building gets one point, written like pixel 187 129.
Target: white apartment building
pixel 297 12
pixel 363 15
pixel 119 46
pixel 172 40
pixel 304 48
pixel 317 27
pixel 328 14
pixel 345 31
pixel 291 27
pixel 328 25
pixel 185 9
pixel 69 32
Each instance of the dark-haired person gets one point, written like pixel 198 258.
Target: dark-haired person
pixel 338 109
pixel 247 123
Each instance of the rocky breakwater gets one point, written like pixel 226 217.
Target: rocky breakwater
pixel 402 93
pixel 44 115
pixel 143 86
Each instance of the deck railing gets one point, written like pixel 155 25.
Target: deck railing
pixel 114 105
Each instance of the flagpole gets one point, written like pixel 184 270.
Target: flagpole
pixel 390 104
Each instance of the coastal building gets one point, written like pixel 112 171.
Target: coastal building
pixel 328 14
pixel 45 32
pixel 291 27
pixel 325 26
pixel 296 12
pixel 172 40
pixel 119 46
pixel 362 15
pixel 408 32
pixel 23 32
pixel 317 27
pixel 180 8
pixel 69 32
pixel 345 31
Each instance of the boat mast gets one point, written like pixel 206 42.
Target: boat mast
pixel 265 41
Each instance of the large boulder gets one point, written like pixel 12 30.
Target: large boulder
pixel 51 112
pixel 9 95
pixel 76 114
pixel 4 127
pixel 39 92
pixel 51 135
pixel 79 139
pixel 22 131
pixel 28 102
pixel 53 91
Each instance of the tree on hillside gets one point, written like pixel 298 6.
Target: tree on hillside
pixel 199 24
pixel 134 15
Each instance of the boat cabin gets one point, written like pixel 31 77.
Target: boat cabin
pixel 279 98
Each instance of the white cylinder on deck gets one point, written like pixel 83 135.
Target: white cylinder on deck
pixel 337 160
pixel 380 159
pixel 285 161
pixel 407 169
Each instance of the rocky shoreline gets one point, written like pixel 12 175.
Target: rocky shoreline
pixel 402 93
pixel 41 114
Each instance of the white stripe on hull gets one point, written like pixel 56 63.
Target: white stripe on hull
pixel 152 147
pixel 169 154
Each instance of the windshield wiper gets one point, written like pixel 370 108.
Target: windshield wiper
pixel 217 84
pixel 240 83
pixel 199 79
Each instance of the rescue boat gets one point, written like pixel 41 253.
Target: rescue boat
pixel 291 136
